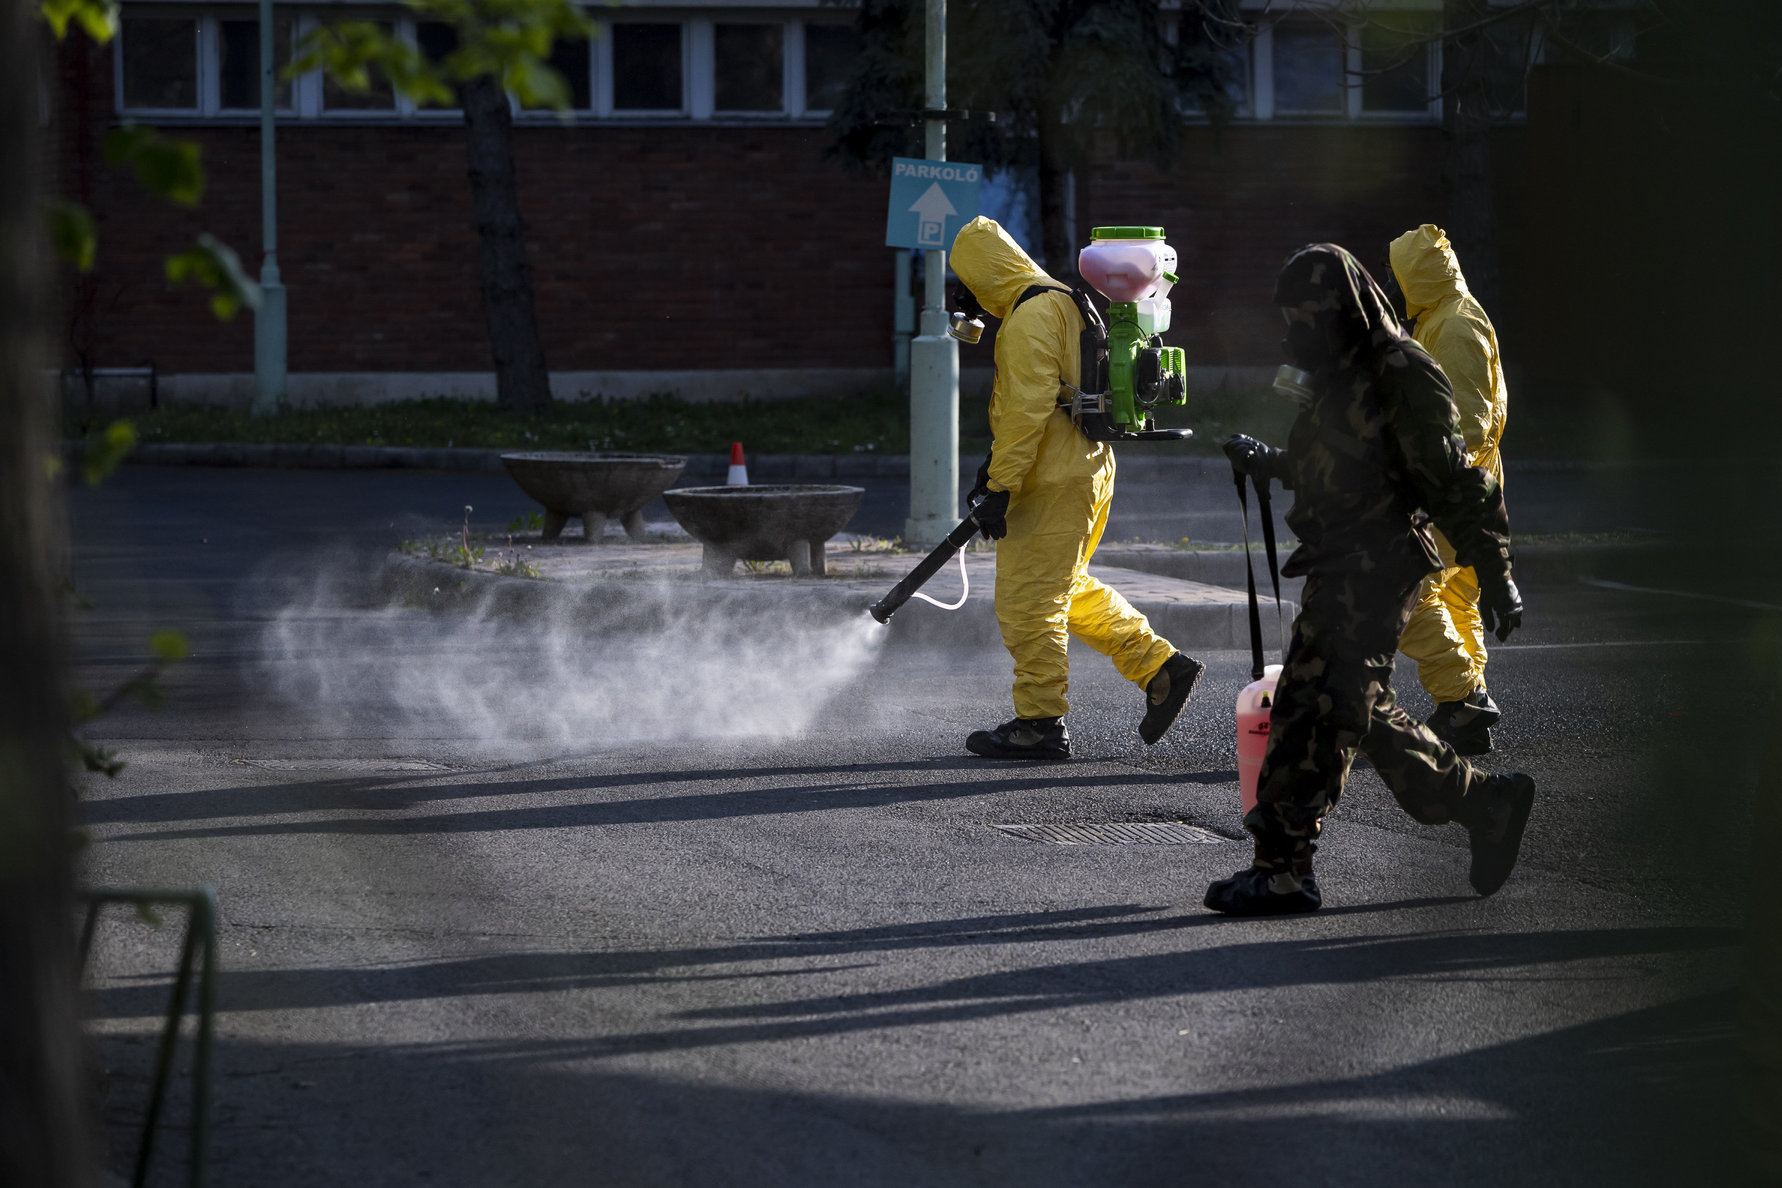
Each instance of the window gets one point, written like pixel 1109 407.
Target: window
pixel 1309 74
pixel 437 41
pixel 748 70
pixel 238 63
pixel 160 63
pixel 380 98
pixel 569 57
pixel 1395 53
pixel 829 53
pixel 1233 67
pixel 647 67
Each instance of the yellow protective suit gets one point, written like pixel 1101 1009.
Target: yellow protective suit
pixel 1059 483
pixel 1445 636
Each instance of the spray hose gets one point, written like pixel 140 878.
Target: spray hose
pixel 903 591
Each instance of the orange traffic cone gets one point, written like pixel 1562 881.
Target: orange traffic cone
pixel 739 473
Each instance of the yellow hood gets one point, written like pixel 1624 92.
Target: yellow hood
pixel 993 266
pixel 1426 269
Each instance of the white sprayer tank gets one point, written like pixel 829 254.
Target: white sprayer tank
pixel 1132 264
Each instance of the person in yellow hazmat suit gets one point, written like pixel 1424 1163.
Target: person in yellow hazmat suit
pixel 1445 636
pixel 1044 493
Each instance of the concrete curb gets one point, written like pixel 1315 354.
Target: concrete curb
pixel 286 456
pixel 1194 617
pixel 777 467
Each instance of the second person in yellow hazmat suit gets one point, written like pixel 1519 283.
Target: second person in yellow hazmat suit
pixel 1046 492
pixel 1445 636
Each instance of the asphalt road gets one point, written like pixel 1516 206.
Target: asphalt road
pixel 505 904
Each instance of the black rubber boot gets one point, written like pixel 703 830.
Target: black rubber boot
pixel 1466 725
pixel 1167 693
pixel 1494 825
pixel 1022 738
pixel 1261 892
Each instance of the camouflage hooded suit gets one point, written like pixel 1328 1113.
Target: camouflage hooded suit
pixel 1373 458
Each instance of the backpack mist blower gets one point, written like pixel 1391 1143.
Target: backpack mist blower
pixel 1127 372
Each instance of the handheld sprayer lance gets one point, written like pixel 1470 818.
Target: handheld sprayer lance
pixel 884 608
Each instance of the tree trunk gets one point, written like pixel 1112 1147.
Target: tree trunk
pixel 1466 141
pixel 521 382
pixel 46 1134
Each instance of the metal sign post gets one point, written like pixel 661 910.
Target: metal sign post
pixel 934 356
pixel 269 319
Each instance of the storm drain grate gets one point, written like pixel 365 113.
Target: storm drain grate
pixel 356 766
pixel 1116 833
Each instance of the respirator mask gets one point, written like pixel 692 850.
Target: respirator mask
pixel 1305 349
pixel 966 323
pixel 1293 383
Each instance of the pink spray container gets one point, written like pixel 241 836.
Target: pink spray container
pixel 1254 705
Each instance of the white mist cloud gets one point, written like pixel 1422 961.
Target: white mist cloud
pixel 487 672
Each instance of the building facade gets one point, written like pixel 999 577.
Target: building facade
pixel 688 229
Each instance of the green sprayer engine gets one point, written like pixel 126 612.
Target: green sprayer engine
pixel 1127 371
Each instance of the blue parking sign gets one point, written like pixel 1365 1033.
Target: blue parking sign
pixel 930 201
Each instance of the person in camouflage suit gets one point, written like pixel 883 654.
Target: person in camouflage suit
pixel 1372 459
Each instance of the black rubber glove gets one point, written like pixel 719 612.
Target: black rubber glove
pixel 1254 458
pixel 1500 605
pixel 992 513
pixel 981 486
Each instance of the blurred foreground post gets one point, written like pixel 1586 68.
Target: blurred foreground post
pixel 46 1138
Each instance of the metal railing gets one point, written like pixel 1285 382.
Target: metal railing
pixel 201 934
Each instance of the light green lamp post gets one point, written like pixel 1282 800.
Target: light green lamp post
pixel 934 355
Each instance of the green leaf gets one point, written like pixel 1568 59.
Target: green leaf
pixel 213 264
pixel 103 453
pixel 537 85
pixel 70 227
pixel 166 167
pixel 99 18
pixel 169 645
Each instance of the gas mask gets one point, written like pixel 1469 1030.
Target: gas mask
pixel 966 323
pixel 1293 383
pixel 1305 350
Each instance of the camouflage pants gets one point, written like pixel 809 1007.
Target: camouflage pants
pixel 1335 698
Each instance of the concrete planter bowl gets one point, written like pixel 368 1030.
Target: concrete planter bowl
pixel 596 487
pixel 786 522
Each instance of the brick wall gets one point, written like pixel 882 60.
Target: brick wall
pixel 672 248
pixel 683 247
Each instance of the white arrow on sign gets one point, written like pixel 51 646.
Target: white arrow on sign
pixel 932 209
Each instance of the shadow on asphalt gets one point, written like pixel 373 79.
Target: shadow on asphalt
pixel 361 794
pixel 1635 1099
pixel 1218 968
